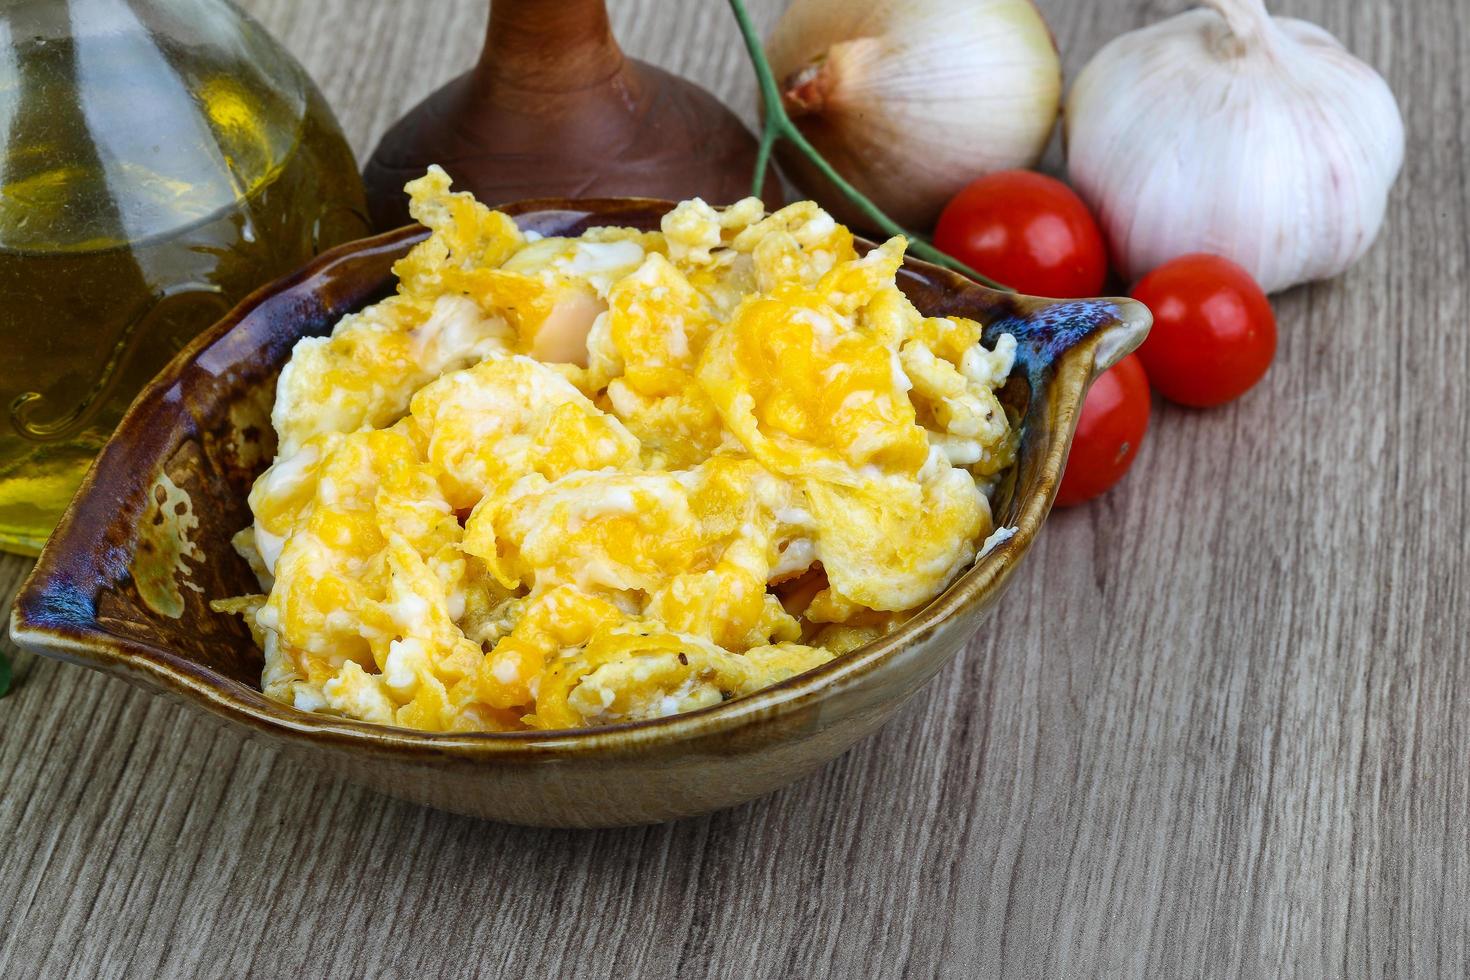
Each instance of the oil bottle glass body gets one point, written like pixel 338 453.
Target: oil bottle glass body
pixel 159 159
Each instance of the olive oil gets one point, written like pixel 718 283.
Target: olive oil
pixel 146 185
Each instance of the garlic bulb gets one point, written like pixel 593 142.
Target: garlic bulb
pixel 1228 131
pixel 912 99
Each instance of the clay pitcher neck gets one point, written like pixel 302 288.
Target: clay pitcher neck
pixel 548 46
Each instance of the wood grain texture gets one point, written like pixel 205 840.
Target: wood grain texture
pixel 1220 728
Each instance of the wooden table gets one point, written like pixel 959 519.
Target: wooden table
pixel 1222 727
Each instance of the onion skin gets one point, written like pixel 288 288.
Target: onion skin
pixel 910 100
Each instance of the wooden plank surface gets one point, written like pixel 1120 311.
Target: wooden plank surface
pixel 1220 728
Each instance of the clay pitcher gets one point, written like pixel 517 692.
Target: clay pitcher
pixel 553 108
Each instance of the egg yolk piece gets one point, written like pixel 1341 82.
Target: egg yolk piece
pixel 891 544
pixel 609 532
pixel 759 371
pixel 509 416
pixel 646 347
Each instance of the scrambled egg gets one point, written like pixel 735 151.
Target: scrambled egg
pixel 561 482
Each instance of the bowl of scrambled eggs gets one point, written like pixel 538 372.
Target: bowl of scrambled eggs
pixel 576 513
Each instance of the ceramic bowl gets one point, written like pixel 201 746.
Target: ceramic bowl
pixel 124 583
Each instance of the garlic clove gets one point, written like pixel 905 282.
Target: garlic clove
pixel 1259 139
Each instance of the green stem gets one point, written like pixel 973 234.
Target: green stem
pixel 778 125
pixel 762 161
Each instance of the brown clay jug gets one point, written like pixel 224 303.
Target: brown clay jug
pixel 554 109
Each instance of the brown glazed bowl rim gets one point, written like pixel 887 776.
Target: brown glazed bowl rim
pixel 72 549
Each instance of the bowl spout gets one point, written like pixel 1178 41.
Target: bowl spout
pixel 1049 330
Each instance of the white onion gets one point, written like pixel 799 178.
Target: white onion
pixel 912 99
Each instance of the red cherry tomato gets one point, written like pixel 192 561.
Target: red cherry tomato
pixel 1109 431
pixel 1214 333
pixel 1027 230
